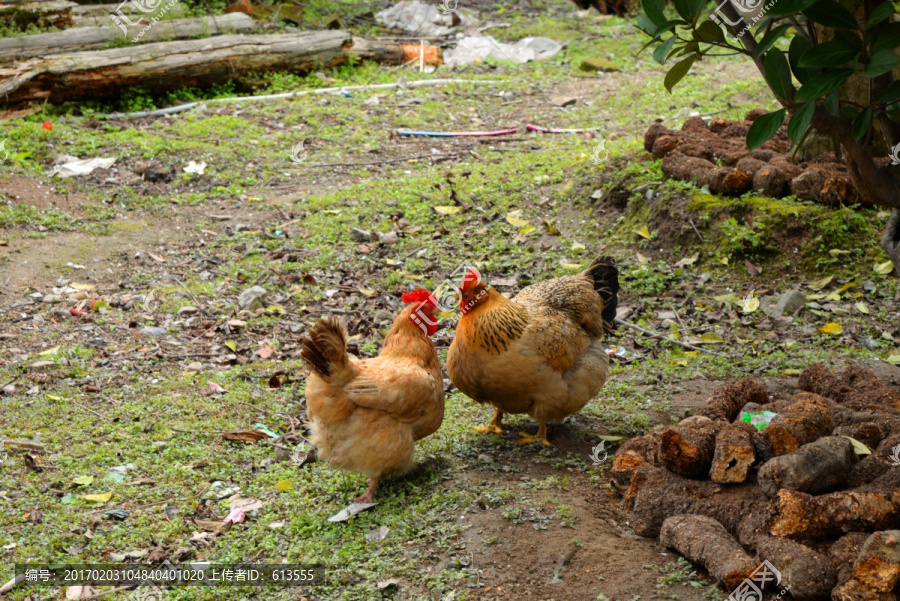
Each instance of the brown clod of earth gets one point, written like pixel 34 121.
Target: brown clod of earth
pixel 635 452
pixel 734 453
pixel 815 467
pixel 808 573
pixel 858 388
pixel 805 420
pixel 716 156
pixel 868 508
pixel 726 401
pixel 843 554
pixel 687 449
pixel 656 494
pixel 705 541
pixel 878 564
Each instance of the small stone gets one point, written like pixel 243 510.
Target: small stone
pixel 153 332
pixel 598 64
pixel 253 298
pixel 52 298
pixel 485 458
pixel 41 366
pixel 389 238
pixel 563 101
pixel 159 445
pixel 205 276
pixel 187 310
pixel 220 217
pixel 787 303
pixel 237 324
pixel 195 366
pixel 359 235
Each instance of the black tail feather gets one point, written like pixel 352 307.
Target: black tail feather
pixel 605 274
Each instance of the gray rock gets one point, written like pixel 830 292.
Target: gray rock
pixel 187 310
pixel 41 366
pixel 205 276
pixel 787 303
pixel 52 298
pixel 253 298
pixel 154 332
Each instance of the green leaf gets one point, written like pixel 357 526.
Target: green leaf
pixel 667 26
pixel 888 38
pixel 662 51
pixel 678 71
pixel 654 11
pixel 769 40
pixel 831 14
pixel 789 7
pixel 880 14
pixel 862 123
pixel 823 84
pixel 778 74
pixel 858 447
pixel 799 47
pixel 709 32
pixel 833 104
pixel 829 54
pixel 891 93
pixel 800 121
pixel 646 25
pixel 690 9
pixel 764 128
pixel 882 62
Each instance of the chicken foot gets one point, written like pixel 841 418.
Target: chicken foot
pixel 369 495
pixel 540 437
pixel 496 425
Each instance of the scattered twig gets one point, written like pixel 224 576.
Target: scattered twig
pixel 194 298
pixel 10 585
pixel 382 86
pixel 33 446
pixel 385 161
pixel 144 506
pixel 86 408
pixel 111 591
pixel 684 329
pixel 696 231
pixel 666 338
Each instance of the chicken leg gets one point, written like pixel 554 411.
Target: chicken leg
pixel 540 437
pixel 369 495
pixel 496 425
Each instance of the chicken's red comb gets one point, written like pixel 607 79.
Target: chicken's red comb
pixel 471 277
pixel 416 296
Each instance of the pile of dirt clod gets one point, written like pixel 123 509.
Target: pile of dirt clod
pixel 716 155
pixel 795 488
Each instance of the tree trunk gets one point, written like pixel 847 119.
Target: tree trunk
pixel 88 38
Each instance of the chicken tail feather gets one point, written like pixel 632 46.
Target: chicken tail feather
pixel 325 347
pixel 605 275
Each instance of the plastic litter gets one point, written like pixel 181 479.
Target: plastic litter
pixel 758 419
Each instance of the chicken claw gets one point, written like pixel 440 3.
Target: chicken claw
pixel 496 425
pixel 369 495
pixel 540 437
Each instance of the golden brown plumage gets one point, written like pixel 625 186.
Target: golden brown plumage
pixel 367 414
pixel 538 353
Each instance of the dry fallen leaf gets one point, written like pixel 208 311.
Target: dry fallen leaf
pixel 248 436
pixel 447 210
pixel 644 232
pixel 831 328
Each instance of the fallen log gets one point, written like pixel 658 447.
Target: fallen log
pixel 726 401
pixel 804 421
pixel 656 494
pixel 88 38
pixel 96 15
pixel 41 13
pixel 163 66
pixel 705 541
pixel 734 454
pixel 633 453
pixel 687 449
pixel 815 467
pixel 877 567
